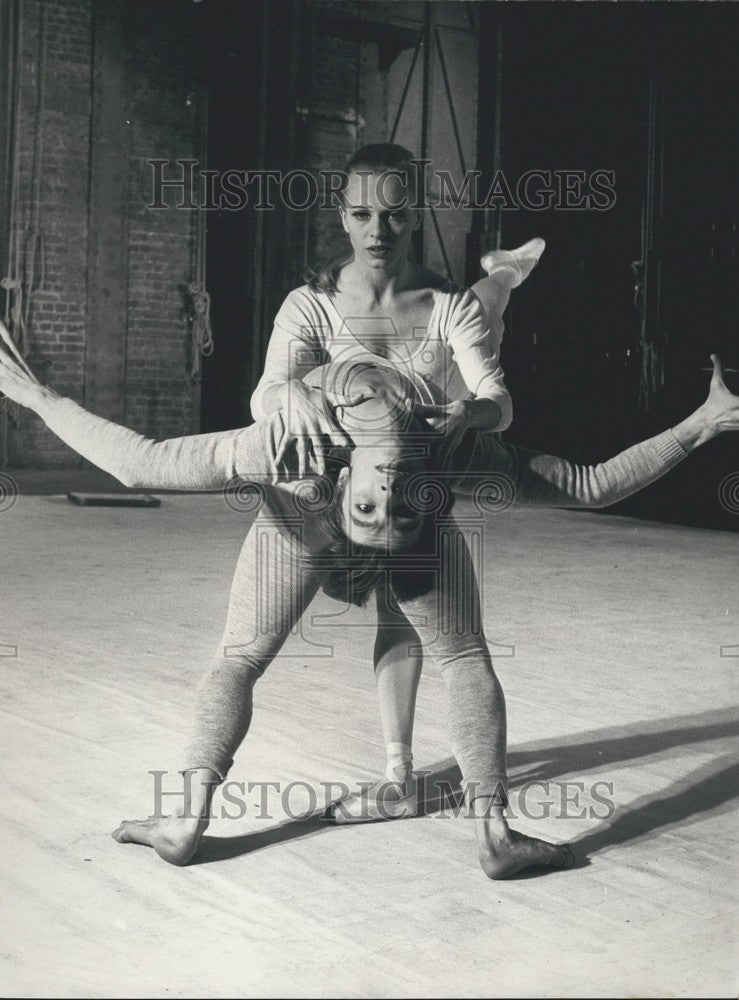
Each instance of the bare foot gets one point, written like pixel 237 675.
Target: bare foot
pixel 174 838
pixel 521 852
pixel 504 853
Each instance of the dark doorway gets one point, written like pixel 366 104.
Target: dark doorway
pixel 256 52
pixel 233 134
pixel 593 361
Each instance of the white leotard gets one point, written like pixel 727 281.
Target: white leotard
pixel 452 358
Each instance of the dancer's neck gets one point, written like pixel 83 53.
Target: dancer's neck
pixel 376 286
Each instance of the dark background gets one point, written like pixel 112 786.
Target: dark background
pixel 593 364
pixel 605 344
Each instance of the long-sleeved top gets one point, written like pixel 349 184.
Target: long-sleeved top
pixel 452 358
pixel 483 465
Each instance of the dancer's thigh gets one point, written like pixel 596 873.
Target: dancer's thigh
pixel 448 619
pixel 396 638
pixel 274 582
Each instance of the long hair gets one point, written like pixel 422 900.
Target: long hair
pixel 375 158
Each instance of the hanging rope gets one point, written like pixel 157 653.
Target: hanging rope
pixel 648 292
pixel 35 251
pixel 26 251
pixel 14 294
pixel 26 265
pixel 201 329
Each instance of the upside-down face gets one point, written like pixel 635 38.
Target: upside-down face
pixel 375 507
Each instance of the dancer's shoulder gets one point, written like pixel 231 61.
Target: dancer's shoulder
pixel 458 306
pixel 302 312
pixel 301 300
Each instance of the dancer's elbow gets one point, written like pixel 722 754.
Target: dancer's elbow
pixel 602 500
pixel 505 406
pixel 267 397
pixel 128 477
pixel 134 472
pixel 597 494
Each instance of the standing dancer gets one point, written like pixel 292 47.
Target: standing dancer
pixel 376 303
pixel 371 498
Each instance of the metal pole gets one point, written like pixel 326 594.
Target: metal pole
pixel 428 30
pixel 498 121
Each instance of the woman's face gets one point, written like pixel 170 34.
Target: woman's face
pixel 374 504
pixel 376 215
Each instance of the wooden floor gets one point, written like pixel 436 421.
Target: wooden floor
pixel 625 643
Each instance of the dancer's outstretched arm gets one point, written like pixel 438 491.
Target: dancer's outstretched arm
pixel 260 453
pixel 530 478
pixel 198 462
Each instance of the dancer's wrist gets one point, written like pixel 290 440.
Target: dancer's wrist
pixel 696 429
pixel 277 397
pixel 41 399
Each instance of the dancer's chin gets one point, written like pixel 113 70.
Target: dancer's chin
pixel 381 261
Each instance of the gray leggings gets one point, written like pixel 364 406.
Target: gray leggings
pixel 266 606
pixel 278 575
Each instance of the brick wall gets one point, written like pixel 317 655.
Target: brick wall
pixel 139 374
pixel 164 60
pixel 160 59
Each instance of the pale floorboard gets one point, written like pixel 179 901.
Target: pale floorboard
pixel 617 677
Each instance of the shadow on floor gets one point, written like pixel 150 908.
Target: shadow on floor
pixel 57 482
pixel 710 788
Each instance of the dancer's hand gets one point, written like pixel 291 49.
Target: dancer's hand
pixel 719 413
pixel 310 423
pixel 451 421
pixel 721 408
pixel 447 419
pixel 387 384
pixel 17 381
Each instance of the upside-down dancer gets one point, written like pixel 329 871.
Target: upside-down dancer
pixel 372 526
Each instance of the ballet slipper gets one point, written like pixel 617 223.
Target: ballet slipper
pixel 516 265
pixel 377 803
